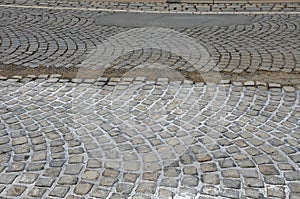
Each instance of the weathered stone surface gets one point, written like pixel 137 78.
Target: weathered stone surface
pixel 94 137
pixel 16 190
pixel 268 170
pixel 83 188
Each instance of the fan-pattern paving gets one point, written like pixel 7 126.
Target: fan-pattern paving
pixel 134 138
pixel 131 138
pixel 33 37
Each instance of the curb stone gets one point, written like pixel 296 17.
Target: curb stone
pixel 172 7
pixel 159 81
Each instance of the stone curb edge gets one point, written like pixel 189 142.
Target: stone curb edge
pixel 113 10
pixel 233 1
pixel 102 81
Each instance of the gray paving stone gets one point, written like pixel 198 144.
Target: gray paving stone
pixel 232 183
pixel 277 192
pixel 165 193
pixel 210 190
pixel 101 193
pixel 208 167
pixel 190 170
pixel 253 182
pixel 274 180
pixel 90 175
pixel 73 169
pixel 18 166
pixel 83 188
pixel 59 191
pixel 7 178
pixel 268 170
pixel 292 176
pixel 125 188
pixel 37 192
pixel 146 187
pixel 44 182
pixel 130 177
pixel 28 178
pixel 67 180
pixel 16 190
pixel 294 187
pixel 254 193
pixel 52 172
pixel 226 163
pixel 210 179
pixel 229 193
pixel 108 182
pixel 231 173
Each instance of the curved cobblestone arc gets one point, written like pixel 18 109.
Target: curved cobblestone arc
pixel 148 38
pixel 49 38
pixel 159 45
pixel 252 150
pixel 269 43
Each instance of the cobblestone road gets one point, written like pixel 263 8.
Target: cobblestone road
pixel 33 37
pixel 135 138
pixel 131 138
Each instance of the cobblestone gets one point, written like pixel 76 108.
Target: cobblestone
pixel 265 40
pixel 78 163
pixel 130 137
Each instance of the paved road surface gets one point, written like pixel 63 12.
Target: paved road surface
pixel 33 37
pixel 132 137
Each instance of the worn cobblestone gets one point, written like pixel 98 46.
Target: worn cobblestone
pixel 133 138
pixel 268 50
pixel 239 169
